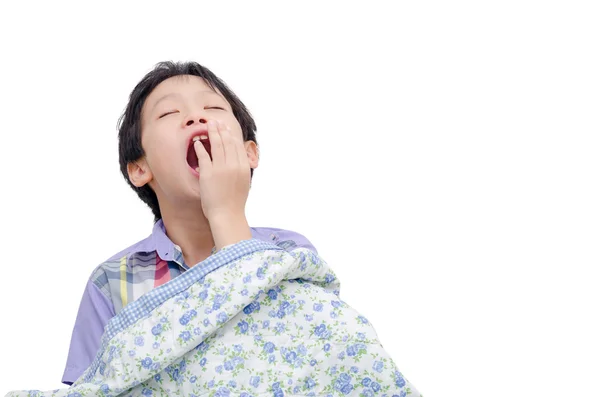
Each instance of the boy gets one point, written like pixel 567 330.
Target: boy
pixel 165 136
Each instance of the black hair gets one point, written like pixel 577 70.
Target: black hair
pixel 130 123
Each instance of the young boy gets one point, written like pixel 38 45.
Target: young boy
pixel 166 146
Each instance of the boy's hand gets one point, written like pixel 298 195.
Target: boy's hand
pixel 224 184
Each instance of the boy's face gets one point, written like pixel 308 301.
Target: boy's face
pixel 172 114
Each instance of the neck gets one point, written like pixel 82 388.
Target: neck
pixel 190 230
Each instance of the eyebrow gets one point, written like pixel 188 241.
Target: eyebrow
pixel 176 94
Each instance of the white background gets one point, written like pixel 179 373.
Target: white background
pixel 442 156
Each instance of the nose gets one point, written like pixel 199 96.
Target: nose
pixel 192 120
pixel 194 116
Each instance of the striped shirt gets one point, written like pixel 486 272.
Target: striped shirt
pixel 131 273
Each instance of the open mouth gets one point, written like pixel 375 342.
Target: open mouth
pixel 192 158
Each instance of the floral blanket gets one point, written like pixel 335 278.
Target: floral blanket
pixel 251 320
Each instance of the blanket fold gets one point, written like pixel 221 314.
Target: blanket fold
pixel 250 320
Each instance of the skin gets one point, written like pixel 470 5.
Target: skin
pixel 203 212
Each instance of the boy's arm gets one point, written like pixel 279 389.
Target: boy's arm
pixel 94 313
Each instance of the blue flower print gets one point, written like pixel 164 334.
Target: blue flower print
pixel 308 317
pixel 146 392
pixel 269 347
pixel 329 278
pixel 302 350
pixel 322 332
pixel 318 307
pixel 237 360
pixel 265 324
pixel 219 369
pixel 131 353
pixel 313 362
pixel 104 388
pixel 400 382
pixel 228 365
pixel 378 366
pixel 260 273
pixel 247 279
pixel 344 378
pixel 254 381
pixel 290 356
pixel 193 379
pixel 243 326
pixel 363 320
pixel 272 294
pixel 327 347
pixel 310 383
pixel 185 335
pixel 252 307
pixel 222 392
pixel 203 295
pixel 197 331
pixel 147 362
pixel 157 377
pixel 157 329
pixel 375 386
pixel 279 328
pixel 203 362
pixel 139 341
pixel 368 393
pixel 366 382
pixel 232 384
pixel 221 317
pixel 206 322
pixel 237 348
pixel 351 350
pixel 335 303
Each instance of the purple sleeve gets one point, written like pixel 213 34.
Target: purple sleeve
pixel 94 312
pixel 287 239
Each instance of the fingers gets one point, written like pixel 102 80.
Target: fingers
pixel 226 147
pixel 204 162
pixel 217 148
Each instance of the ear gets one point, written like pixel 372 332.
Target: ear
pixel 139 172
pixel 252 152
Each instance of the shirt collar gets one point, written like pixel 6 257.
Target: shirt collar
pixel 166 249
pixel 162 243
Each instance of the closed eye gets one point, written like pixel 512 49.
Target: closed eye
pixel 216 107
pixel 168 113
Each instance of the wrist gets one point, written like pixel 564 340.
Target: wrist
pixel 229 229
